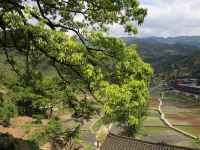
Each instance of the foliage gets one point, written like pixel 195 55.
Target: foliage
pixel 38 118
pixel 8 111
pixel 176 57
pixel 54 134
pixel 29 99
pixel 188 40
pixel 187 66
pixel 47 133
pixel 155 51
pixel 96 126
pixel 89 61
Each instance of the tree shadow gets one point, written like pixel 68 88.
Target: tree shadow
pixel 8 142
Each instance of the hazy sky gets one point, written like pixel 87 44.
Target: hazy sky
pixel 167 18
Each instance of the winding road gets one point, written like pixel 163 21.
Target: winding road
pixel 162 117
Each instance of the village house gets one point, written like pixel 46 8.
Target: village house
pixel 116 142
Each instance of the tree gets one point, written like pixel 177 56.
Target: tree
pixel 7 111
pixel 87 61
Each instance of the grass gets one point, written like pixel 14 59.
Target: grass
pixel 194 130
pixel 175 105
pixel 6 73
pixel 156 93
pixel 153 113
pixel 153 131
pixel 188 143
pixel 97 125
pixel 88 147
pixel 173 110
pixel 177 122
pixel 85 144
pixel 195 144
pixel 176 96
pixel 153 121
pixel 179 96
pixel 30 125
pixel 101 136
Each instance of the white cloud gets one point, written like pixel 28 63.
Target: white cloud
pixel 167 18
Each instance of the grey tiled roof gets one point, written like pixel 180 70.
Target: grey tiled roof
pixel 115 142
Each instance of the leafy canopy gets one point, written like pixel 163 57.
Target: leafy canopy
pixel 72 36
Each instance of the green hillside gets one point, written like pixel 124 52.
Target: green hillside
pixel 184 66
pixel 189 40
pixel 159 52
pixel 154 52
pixel 173 56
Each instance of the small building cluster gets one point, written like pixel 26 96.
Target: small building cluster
pixel 116 142
pixel 186 85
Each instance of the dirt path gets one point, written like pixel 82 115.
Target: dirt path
pixel 162 117
pixel 86 132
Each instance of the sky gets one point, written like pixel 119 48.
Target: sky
pixel 167 18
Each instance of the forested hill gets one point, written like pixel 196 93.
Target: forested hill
pixel 173 56
pixel 153 51
pixel 184 66
pixel 189 40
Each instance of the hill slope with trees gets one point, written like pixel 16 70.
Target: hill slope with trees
pixel 187 66
pixel 114 76
pixel 173 56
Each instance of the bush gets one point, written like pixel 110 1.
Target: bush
pixel 38 118
pixel 47 133
pixel 25 107
pixel 8 111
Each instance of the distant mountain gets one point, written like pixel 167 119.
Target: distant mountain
pixel 188 40
pixel 154 51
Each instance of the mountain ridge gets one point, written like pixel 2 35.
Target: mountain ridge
pixel 171 55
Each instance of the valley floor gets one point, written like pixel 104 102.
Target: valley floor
pixel 182 112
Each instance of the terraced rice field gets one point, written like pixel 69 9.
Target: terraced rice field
pixel 153 103
pixel 182 113
pixel 185 115
pixel 153 122
pixel 195 130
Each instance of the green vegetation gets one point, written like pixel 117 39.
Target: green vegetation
pixel 186 66
pixel 179 96
pixel 195 144
pixel 152 131
pixel 175 57
pixel 153 121
pixel 189 40
pixel 98 124
pixel 83 142
pixel 27 127
pixel 87 73
pixel 52 130
pixel 175 96
pixel 8 111
pixel 156 52
pixel 156 93
pixel 38 118
pixel 194 130
pixel 51 61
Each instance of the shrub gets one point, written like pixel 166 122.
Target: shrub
pixel 38 118
pixel 8 111
pixel 47 133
